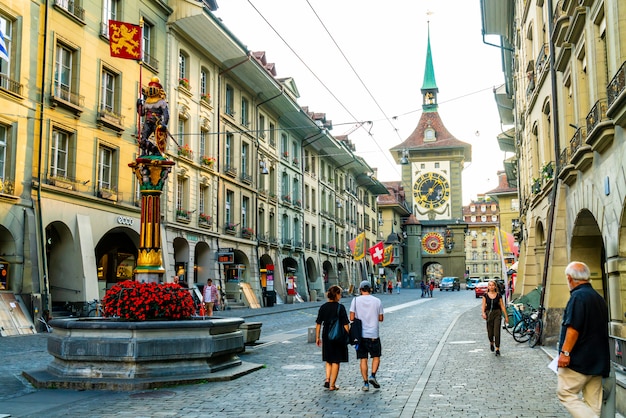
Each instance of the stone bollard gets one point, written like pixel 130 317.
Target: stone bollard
pixel 313 296
pixel 311 335
pixel 251 331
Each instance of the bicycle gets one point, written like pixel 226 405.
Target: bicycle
pixel 44 318
pixel 515 316
pixel 530 328
pixel 537 328
pixel 94 308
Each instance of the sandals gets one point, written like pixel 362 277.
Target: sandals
pixel 333 388
pixel 327 384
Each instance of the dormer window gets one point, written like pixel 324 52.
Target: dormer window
pixel 429 134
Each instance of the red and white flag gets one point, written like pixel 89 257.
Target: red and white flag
pixel 378 253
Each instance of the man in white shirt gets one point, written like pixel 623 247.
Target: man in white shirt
pixel 369 310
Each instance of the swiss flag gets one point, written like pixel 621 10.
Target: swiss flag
pixel 378 253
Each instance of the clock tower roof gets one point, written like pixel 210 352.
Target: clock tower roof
pixel 442 139
pixel 430 133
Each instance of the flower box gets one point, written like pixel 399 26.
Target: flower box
pixel 205 220
pixel 205 98
pixel 183 215
pixel 230 229
pixel 247 232
pixel 185 151
pixel 183 82
pixel 208 161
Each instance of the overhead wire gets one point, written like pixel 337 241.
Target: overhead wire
pixel 320 80
pixel 395 129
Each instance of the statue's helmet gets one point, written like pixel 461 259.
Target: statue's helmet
pixel 154 87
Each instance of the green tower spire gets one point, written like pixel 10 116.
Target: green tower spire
pixel 429 87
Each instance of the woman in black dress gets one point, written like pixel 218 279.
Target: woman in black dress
pixel 333 353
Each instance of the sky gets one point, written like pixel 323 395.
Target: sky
pixel 363 61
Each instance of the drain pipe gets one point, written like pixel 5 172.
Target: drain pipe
pixel 43 287
pixel 557 150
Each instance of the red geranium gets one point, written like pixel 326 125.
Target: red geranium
pixel 134 301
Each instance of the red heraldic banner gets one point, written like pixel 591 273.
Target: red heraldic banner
pixel 125 40
pixel 377 253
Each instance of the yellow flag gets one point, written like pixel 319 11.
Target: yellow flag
pixel 359 247
pixel 388 256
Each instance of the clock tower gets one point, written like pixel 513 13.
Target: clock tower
pixel 432 161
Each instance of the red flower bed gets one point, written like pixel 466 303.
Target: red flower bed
pixel 134 301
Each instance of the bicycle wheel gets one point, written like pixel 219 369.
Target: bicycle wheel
pixel 520 332
pixel 536 334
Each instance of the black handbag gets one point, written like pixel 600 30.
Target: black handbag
pixel 336 331
pixel 356 329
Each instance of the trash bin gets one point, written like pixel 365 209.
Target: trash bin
pixel 270 296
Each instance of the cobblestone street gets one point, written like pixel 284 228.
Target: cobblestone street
pixel 436 363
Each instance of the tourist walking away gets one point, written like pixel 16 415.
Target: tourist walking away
pixel 209 297
pixel 431 288
pixel 423 287
pixel 584 345
pixel 369 310
pixel 333 352
pixel 493 308
pixel 398 286
pixel 390 287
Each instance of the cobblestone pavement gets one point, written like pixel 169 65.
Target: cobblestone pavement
pixel 436 363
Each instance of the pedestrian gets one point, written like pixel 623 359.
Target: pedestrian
pixel 209 296
pixel 333 353
pixel 390 287
pixel 493 308
pixel 431 288
pixel 584 345
pixel 423 287
pixel 369 310
pixel 398 286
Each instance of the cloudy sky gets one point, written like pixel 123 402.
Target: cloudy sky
pixel 363 60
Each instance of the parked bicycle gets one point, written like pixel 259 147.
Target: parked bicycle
pixel 530 327
pixel 93 308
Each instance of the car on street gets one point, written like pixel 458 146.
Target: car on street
pixel 472 282
pixel 480 289
pixel 450 283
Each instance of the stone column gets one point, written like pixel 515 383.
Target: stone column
pixel 151 172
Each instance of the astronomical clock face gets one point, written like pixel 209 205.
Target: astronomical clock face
pixel 432 243
pixel 431 190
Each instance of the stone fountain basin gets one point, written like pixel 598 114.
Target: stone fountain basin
pixel 104 353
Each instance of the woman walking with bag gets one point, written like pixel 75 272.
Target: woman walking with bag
pixel 333 352
pixel 493 308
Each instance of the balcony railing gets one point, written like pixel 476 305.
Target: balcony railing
pixel 150 60
pixel 10 85
pixel 230 170
pixel 246 178
pixel 63 96
pixel 542 59
pixel 72 7
pixel 111 119
pixel 600 128
pixel 617 85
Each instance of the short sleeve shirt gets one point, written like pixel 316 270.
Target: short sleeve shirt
pixel 367 308
pixel 587 313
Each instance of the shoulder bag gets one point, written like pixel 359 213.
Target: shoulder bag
pixel 336 331
pixel 356 329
